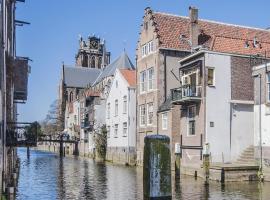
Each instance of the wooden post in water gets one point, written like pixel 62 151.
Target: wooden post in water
pixel 28 152
pixel 76 149
pixel 157 168
pixel 206 163
pixel 61 150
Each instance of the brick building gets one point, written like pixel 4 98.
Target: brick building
pixel 164 40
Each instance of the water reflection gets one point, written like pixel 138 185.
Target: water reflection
pixel 46 176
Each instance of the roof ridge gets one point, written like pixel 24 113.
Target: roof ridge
pixel 215 22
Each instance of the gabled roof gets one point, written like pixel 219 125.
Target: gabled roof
pixel 122 62
pixel 130 76
pixel 216 36
pixel 80 77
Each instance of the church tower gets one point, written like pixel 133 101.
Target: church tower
pixel 92 53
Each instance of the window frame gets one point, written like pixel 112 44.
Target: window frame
pixel 125 129
pixel 116 126
pixel 268 87
pixel 191 119
pixel 162 121
pixel 125 104
pixel 108 131
pixel 147 113
pixel 151 69
pixel 116 107
pixel 213 78
pixel 108 110
pixel 142 117
pixel 143 81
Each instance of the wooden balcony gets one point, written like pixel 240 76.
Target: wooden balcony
pixel 186 94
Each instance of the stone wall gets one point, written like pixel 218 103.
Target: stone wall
pixel 121 155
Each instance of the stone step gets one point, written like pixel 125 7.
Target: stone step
pixel 247 156
pixel 245 159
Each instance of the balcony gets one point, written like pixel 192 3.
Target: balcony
pixel 87 125
pixel 186 94
pixel 21 71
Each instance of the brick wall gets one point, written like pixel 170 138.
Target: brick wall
pixel 242 81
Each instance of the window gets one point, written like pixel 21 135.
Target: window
pixel 124 129
pixel 125 104
pixel 93 62
pixel 268 86
pixel 99 62
pixel 116 108
pixel 108 110
pixel 116 130
pixel 143 81
pixel 150 114
pixel 70 96
pixel 164 118
pixel 210 80
pixel 191 112
pixel 108 131
pixel 147 48
pixel 150 78
pixel 142 115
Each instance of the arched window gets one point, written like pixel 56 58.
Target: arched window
pixel 93 62
pixel 99 62
pixel 70 96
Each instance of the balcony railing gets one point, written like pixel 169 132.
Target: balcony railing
pixel 186 93
pixel 87 125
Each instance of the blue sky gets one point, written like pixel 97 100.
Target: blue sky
pixel 52 37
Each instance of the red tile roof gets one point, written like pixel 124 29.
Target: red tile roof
pixel 130 76
pixel 216 36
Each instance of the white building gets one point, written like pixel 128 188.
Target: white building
pixel 121 117
pixel 261 76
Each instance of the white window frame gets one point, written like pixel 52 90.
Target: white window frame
pixel 108 110
pixel 116 126
pixel 268 87
pixel 108 131
pixel 147 48
pixel 125 129
pixel 148 113
pixel 125 104
pixel 150 79
pixel 143 81
pixel 164 117
pixel 142 117
pixel 116 105
pixel 214 81
pixel 191 119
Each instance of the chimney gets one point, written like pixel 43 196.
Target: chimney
pixel 194 26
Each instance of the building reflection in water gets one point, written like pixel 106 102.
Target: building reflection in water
pixel 46 176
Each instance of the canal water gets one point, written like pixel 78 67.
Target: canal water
pixel 45 176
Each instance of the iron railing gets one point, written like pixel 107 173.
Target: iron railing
pixel 186 91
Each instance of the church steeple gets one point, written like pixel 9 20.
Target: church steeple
pixel 92 53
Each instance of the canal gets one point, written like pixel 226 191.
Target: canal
pixel 44 176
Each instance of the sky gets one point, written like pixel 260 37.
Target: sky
pixel 52 37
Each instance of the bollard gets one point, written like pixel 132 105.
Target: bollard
pixel 157 168
pixel 206 163
pixel 11 195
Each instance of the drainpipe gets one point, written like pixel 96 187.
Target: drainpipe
pixel 260 124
